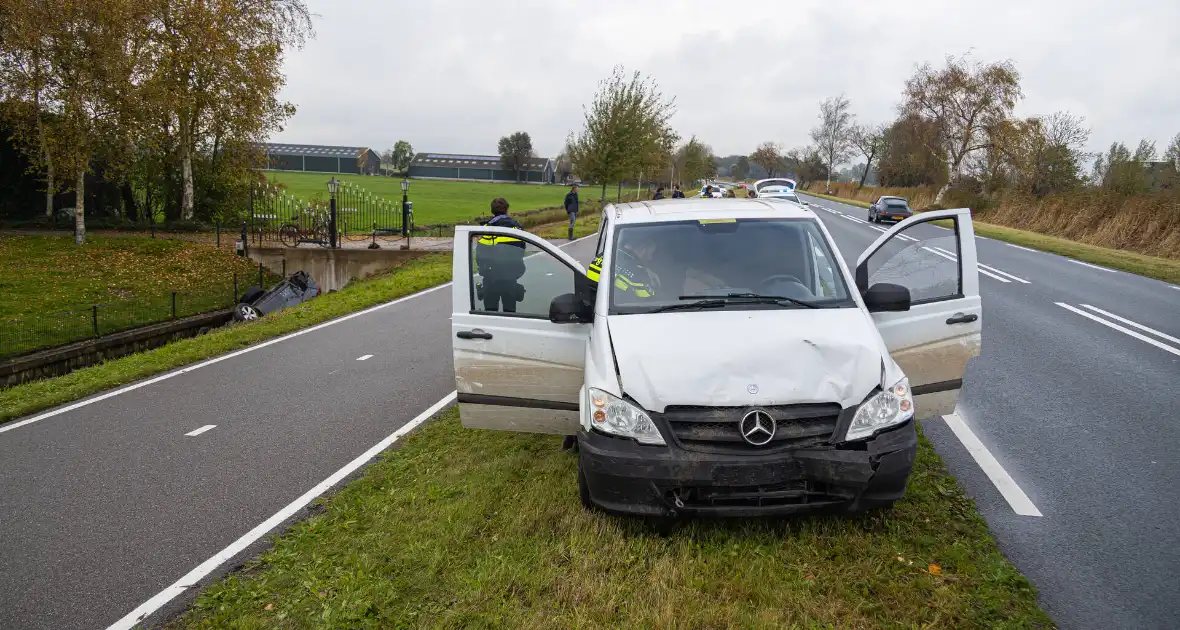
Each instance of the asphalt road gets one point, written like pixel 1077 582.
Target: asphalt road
pixel 1081 416
pixel 106 505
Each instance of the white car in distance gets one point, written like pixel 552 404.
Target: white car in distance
pixel 729 363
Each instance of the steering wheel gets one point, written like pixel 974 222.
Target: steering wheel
pixel 781 277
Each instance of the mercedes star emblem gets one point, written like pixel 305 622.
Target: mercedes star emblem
pixel 757 428
pixel 752 388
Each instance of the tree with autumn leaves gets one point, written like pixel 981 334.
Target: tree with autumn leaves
pixel 147 87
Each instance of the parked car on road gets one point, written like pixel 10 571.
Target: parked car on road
pixel 728 363
pixel 774 181
pixel 889 208
pixel 782 192
pixel 718 192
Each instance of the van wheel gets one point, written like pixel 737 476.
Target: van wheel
pixel 584 490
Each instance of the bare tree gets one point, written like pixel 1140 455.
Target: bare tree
pixel 833 136
pixel 964 100
pixel 767 156
pixel 870 141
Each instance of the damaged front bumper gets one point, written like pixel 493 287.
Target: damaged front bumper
pixel 625 477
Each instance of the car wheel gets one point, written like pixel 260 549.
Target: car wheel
pixel 872 219
pixel 246 313
pixel 289 235
pixel 251 294
pixel 584 490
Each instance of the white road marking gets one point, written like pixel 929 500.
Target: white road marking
pixel 1000 478
pixel 364 357
pixel 1127 331
pixel 944 255
pixel 951 256
pixel 1027 249
pixel 196 432
pixel 1131 323
pixel 907 237
pixel 1175 287
pixel 185 370
pixel 192 578
pixel 881 230
pixel 1078 262
pixel 1002 273
pixel 852 218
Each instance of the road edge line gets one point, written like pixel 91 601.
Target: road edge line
pixel 1016 498
pixel 192 578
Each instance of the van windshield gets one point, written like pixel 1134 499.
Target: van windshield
pixel 730 264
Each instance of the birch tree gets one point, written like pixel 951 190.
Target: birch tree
pixel 833 136
pixel 963 100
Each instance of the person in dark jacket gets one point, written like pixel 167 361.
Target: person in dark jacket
pixel 500 260
pixel 659 193
pixel 571 207
pixel 677 193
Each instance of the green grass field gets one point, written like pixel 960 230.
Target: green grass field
pixel 435 201
pixel 461 528
pixel 50 285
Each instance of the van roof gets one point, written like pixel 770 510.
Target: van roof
pixel 666 210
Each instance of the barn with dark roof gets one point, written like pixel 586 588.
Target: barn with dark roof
pixel 322 159
pixel 486 168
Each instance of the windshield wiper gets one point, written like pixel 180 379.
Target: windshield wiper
pixel 689 306
pixel 755 298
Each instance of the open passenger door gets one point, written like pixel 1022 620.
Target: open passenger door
pixel 515 370
pixel 941 331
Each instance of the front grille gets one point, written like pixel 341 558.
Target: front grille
pixel 716 430
pixel 781 494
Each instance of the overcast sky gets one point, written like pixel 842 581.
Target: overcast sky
pixel 455 76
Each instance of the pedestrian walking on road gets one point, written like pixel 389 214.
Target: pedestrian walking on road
pixel 500 260
pixel 571 207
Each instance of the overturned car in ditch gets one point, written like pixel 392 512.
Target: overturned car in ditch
pixel 295 289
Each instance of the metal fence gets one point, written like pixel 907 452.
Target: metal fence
pixel 40 331
pixel 279 218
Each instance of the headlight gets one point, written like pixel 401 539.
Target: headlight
pixel 892 406
pixel 613 415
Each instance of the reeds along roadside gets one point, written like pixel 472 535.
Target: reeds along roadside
pixel 1146 224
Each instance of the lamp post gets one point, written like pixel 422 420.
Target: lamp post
pixel 406 211
pixel 332 186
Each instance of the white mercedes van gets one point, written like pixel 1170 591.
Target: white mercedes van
pixel 758 376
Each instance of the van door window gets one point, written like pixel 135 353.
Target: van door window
pixel 515 281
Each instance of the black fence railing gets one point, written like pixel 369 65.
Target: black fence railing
pixel 278 217
pixel 30 333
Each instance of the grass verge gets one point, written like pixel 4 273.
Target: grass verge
pixel 1150 266
pixel 417 274
pixel 461 528
pixel 50 285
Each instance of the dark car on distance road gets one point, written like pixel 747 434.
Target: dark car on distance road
pixel 889 209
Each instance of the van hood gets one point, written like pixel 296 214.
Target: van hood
pixel 754 357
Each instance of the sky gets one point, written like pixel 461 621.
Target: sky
pixel 455 76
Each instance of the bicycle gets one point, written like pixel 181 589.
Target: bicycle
pixel 291 234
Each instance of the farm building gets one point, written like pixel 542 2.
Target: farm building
pixel 479 167
pixel 322 159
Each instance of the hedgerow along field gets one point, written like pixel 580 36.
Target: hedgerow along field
pixel 435 201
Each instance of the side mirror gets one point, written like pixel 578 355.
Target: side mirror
pixel 569 308
pixel 884 296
